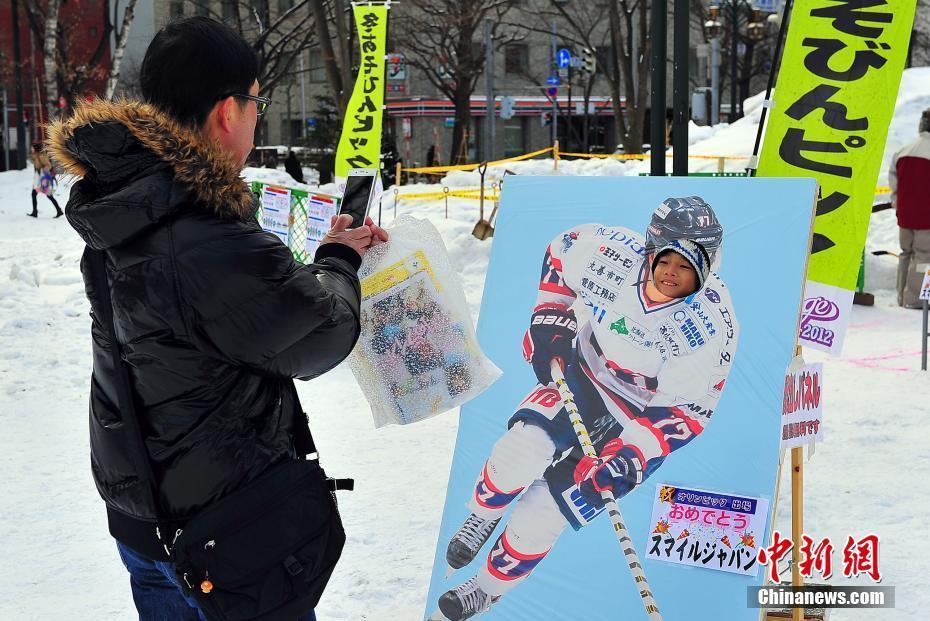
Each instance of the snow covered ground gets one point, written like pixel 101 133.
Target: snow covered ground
pixel 869 476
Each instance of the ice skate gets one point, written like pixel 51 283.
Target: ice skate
pixel 463 602
pixel 468 540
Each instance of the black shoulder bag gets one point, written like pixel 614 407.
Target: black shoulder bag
pixel 265 551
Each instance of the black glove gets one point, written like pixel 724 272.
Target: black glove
pixel 552 330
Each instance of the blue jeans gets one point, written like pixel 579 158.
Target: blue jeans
pixel 156 592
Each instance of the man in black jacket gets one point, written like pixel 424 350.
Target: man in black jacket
pixel 213 316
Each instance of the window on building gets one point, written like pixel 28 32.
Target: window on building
pixel 516 58
pixel 291 131
pixel 515 136
pixel 176 9
pixel 229 9
pixel 202 8
pixel 317 68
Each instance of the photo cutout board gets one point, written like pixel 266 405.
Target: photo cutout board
pixel 679 384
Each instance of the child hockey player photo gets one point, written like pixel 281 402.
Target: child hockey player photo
pixel 645 333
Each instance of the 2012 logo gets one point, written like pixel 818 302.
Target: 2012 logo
pixel 820 310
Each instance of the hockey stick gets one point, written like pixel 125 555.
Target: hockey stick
pixel 623 535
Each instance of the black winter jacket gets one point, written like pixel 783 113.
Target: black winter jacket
pixel 213 315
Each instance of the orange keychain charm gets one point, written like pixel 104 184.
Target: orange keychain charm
pixel 206 586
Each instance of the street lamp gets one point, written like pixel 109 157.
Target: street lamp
pixel 755 31
pixel 712 31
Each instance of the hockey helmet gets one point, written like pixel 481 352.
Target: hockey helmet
pixel 686 218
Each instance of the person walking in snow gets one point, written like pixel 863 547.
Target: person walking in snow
pixel 44 180
pixel 214 318
pixel 647 366
pixel 292 167
pixel 909 177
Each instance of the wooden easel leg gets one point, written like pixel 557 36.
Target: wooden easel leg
pixel 797 522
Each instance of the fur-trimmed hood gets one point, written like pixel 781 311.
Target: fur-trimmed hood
pixel 120 148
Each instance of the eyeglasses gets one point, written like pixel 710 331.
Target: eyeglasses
pixel 261 103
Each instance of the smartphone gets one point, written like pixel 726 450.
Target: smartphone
pixel 356 200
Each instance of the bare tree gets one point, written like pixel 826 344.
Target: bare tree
pixel 443 40
pixel 74 69
pixel 122 37
pixel 622 40
pixel 331 16
pixel 49 48
pixel 754 57
pixel 277 36
pixel 919 52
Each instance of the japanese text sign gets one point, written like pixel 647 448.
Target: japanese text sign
pixel 834 100
pixel 360 142
pixel 802 409
pixel 276 211
pixel 706 529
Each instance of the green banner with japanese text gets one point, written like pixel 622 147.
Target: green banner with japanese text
pixel 360 142
pixel 834 99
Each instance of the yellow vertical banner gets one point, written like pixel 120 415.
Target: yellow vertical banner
pixel 360 142
pixel 833 102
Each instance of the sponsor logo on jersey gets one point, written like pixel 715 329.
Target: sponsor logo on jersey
pixel 705 319
pixel 725 355
pixel 568 239
pixel 712 295
pixel 624 262
pixel 668 335
pixel 619 326
pixel 699 411
pixel 581 510
pixel 629 241
pixel 691 333
pixel 717 383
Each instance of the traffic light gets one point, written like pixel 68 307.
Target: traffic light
pixel 588 61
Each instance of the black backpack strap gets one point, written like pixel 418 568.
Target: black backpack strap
pixel 96 262
pixel 303 439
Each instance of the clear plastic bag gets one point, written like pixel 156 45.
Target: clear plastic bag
pixel 417 355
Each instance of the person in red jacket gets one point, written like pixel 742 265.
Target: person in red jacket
pixel 909 177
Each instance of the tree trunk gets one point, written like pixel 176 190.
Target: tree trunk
pixel 330 63
pixel 637 112
pixel 345 52
pixel 745 78
pixel 459 151
pixel 122 39
pixel 614 78
pixel 49 50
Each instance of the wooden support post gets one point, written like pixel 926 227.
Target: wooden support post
pixel 397 171
pixel 797 522
pixel 721 164
pixel 555 155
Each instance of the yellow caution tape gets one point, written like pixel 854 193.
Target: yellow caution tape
pixel 440 169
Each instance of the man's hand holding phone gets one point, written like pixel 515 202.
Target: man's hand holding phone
pixel 359 239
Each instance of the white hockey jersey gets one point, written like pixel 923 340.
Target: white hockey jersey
pixel 640 354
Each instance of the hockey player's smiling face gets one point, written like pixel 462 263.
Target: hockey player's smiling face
pixel 674 277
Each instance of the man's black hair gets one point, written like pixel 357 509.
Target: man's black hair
pixel 193 62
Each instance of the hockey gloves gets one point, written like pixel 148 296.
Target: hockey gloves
pixel 618 469
pixel 552 330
